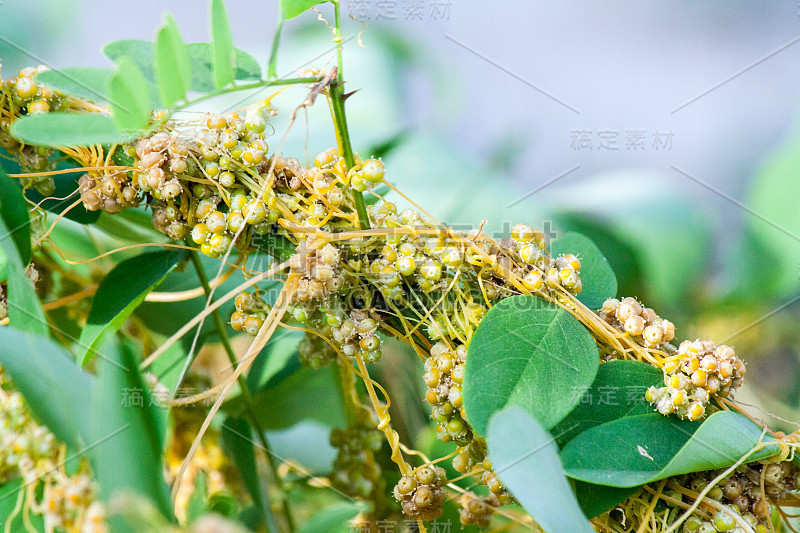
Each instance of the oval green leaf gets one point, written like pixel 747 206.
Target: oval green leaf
pixel 599 281
pixel 58 392
pixel 90 83
pixel 305 394
pixel 24 309
pixel 646 448
pixel 617 391
pixel 292 8
pixel 140 52
pixel 525 458
pixel 222 44
pixel 198 501
pixel 595 500
pixel 202 60
pixel 172 64
pixel 126 435
pixel 14 211
pixel 530 353
pixel 128 92
pixel 122 290
pixel 239 444
pixel 67 129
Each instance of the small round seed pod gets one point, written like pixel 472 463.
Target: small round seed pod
pixel 634 325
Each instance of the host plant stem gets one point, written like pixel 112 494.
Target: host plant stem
pixel 247 398
pixel 338 97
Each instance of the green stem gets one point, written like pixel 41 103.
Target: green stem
pixel 340 120
pixel 337 34
pixel 247 398
pixel 255 85
pixel 272 66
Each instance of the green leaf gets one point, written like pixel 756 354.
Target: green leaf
pixel 90 83
pixel 530 353
pixel 617 391
pixel 196 506
pixel 167 317
pixel 122 290
pixel 640 449
pixel 14 212
pixel 131 225
pixel 24 309
pixel 623 258
pixel 595 500
pixel 273 358
pixel 292 8
pixel 128 92
pixel 224 503
pixel 142 53
pixel 67 129
pixel 126 439
pixel 239 446
pixel 525 458
pixel 57 391
pixel 202 58
pixel 222 44
pixel 599 281
pixel 305 394
pixel 333 518
pixel 172 64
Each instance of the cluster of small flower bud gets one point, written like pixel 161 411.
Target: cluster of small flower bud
pixel 31 451
pixel 106 192
pixel 321 276
pixel 69 504
pixel 476 510
pixel 420 494
pixel 699 371
pixel 563 271
pixel 740 493
pixel 315 352
pixel 250 313
pixel 363 175
pixel 355 471
pixel 29 96
pixel 215 229
pixel 359 334
pixel 208 181
pixel 25 447
pixel 23 95
pixel 444 374
pixel 318 303
pixel 641 323
pixel 160 159
pixel 472 459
